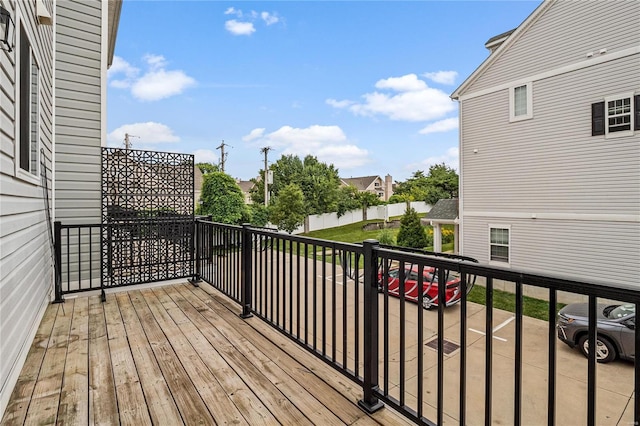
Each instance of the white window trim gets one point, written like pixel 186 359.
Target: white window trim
pixel 498 226
pixel 20 173
pixel 512 107
pixel 607 99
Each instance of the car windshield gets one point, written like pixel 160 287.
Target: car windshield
pixel 622 311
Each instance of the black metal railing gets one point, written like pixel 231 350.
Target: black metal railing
pixel 357 308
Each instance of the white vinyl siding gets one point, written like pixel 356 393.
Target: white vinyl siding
pixel 563 35
pixel 25 252
pixel 78 111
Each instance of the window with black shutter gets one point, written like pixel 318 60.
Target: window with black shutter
pixel 617 116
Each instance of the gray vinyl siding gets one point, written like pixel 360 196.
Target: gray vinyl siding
pixel 583 190
pixel 551 163
pixel 587 250
pixel 562 35
pixel 78 111
pixel 25 250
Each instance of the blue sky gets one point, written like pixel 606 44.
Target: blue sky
pixel 362 85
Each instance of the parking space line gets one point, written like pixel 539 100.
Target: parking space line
pixel 496 328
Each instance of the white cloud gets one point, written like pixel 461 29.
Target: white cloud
pixel 440 126
pixel 406 83
pixel 327 143
pixel 254 134
pixel 414 101
pixel 239 28
pixel 160 84
pixel 244 24
pixel 269 18
pixel 442 77
pixel 451 158
pixel 142 133
pixel 205 156
pixel 155 84
pixel 339 104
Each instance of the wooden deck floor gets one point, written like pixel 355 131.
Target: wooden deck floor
pixel 175 355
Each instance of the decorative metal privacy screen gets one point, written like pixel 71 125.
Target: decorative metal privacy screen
pixel 147 216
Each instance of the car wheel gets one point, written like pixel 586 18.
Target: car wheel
pixel 605 351
pixel 427 303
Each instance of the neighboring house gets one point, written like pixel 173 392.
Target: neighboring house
pixel 246 186
pixel 53 114
pixel 374 184
pixel 550 144
pixel 198 180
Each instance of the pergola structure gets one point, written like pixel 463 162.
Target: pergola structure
pixel 445 212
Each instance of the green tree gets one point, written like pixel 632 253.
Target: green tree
pixel 288 209
pixel 222 198
pixel 441 182
pixel 258 215
pixel 365 200
pixel 206 168
pixel 411 232
pixel 318 181
pixel 346 200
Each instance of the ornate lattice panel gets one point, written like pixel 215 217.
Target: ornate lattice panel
pixel 147 216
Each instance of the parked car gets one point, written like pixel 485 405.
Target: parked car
pixel 615 330
pixel 429 285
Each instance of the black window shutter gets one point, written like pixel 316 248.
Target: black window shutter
pixel 636 112
pixel 597 119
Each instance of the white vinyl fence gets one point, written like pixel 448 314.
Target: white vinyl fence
pixel 331 220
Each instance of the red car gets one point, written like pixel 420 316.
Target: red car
pixel 429 285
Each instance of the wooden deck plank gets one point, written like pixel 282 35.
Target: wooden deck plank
pixel 103 406
pixel 74 403
pixel 253 410
pixel 225 411
pixel 300 393
pixel 244 399
pixel 131 403
pixel 270 395
pixel 288 350
pixel 192 409
pixel 16 410
pixel 160 403
pixel 46 395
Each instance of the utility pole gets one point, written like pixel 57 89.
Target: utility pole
pixel 265 151
pixel 127 142
pixel 223 156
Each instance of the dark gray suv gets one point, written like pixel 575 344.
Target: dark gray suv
pixel 616 330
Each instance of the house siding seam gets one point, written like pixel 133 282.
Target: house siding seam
pixel 78 111
pixel 25 253
pixel 554 41
pixel 572 199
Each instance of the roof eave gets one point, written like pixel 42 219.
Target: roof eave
pixel 498 52
pixel 113 16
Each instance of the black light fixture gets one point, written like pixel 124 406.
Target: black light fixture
pixel 7 28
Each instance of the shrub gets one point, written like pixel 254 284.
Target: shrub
pixel 411 232
pixel 386 237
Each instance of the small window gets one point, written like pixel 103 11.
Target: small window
pixel 499 244
pixel 29 111
pixel 521 102
pixel 617 116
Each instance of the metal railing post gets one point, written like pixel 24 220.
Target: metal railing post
pixel 369 401
pixel 195 251
pixel 245 274
pixel 57 268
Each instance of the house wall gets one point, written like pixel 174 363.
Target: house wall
pixel 583 190
pixel 79 70
pixel 25 248
pixel 556 40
